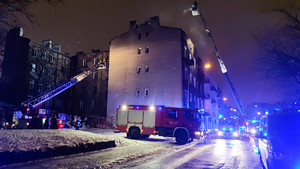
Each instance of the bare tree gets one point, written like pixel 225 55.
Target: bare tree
pixel 281 48
pixel 11 12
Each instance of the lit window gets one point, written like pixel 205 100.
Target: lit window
pixel 138 69
pixel 40 89
pixel 33 67
pixel 147 50
pixel 51 58
pixel 139 51
pixel 137 92
pixel 146 68
pixel 31 84
pixel 95 75
pixel 81 105
pixel 84 62
pixel 146 92
pixel 44 55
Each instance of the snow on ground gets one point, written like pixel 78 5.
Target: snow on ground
pixel 28 140
pixel 32 140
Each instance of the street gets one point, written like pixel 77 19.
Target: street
pixel 159 152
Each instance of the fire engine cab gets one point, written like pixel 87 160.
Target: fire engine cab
pixel 142 121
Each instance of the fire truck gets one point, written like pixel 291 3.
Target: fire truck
pixel 229 128
pixel 142 121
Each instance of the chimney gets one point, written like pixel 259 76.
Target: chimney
pixel 155 21
pixel 57 47
pixel 47 43
pixel 133 25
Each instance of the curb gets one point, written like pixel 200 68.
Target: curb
pixel 24 156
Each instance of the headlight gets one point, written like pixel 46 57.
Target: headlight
pixel 253 131
pixel 220 133
pixel 235 134
pixel 197 133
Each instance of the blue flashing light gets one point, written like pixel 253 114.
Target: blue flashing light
pixel 231 129
pixel 260 129
pixel 201 109
pixel 159 108
pixel 254 121
pixel 298 110
pixel 220 116
pixel 118 106
pixel 265 134
pixel 223 128
pixel 277 109
pixel 267 112
pixel 137 107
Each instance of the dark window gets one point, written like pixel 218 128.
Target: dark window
pixel 189 115
pixel 95 89
pixel 44 55
pixel 51 58
pixel 172 114
pixel 146 68
pixel 138 69
pixel 139 51
pixel 147 50
pixel 147 34
pixel 146 92
pixel 137 92
pixel 139 36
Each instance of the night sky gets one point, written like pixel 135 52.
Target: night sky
pixel 84 25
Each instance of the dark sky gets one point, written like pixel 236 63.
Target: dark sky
pixel 90 24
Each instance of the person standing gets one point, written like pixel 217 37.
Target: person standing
pixel 53 124
pixel 46 125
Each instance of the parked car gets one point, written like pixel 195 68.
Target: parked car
pixel 279 141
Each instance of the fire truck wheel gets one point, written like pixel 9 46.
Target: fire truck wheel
pixel 135 133
pixel 145 136
pixel 181 136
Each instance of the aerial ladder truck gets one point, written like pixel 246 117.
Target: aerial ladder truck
pixel 39 100
pixel 196 12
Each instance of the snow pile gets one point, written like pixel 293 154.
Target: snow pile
pixel 32 140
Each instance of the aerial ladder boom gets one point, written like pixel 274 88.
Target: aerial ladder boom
pixel 196 12
pixel 37 101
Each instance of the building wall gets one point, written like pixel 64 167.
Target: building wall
pixel 165 78
pixel 31 68
pixel 89 97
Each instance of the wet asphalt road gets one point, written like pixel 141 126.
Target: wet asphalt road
pixel 216 153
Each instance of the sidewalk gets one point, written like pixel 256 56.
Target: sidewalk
pixel 27 145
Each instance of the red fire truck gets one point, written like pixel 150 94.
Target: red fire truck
pixel 142 121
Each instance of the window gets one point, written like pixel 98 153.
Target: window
pixel 146 92
pixel 139 51
pixel 31 83
pixel 40 89
pixel 33 67
pixel 44 55
pixel 138 69
pixel 81 104
pixel 50 72
pixel 96 61
pixel 82 90
pixel 172 114
pixel 95 89
pixel 139 36
pixel 146 68
pixel 186 73
pixel 195 82
pixel 95 75
pixel 51 58
pixel 137 92
pixel 48 86
pixel 189 115
pixel 93 104
pixel 147 50
pixel 84 62
pixel 147 34
pixel 34 52
pixel 191 78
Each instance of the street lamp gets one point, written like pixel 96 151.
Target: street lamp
pixel 258 113
pixel 207 66
pixel 224 98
